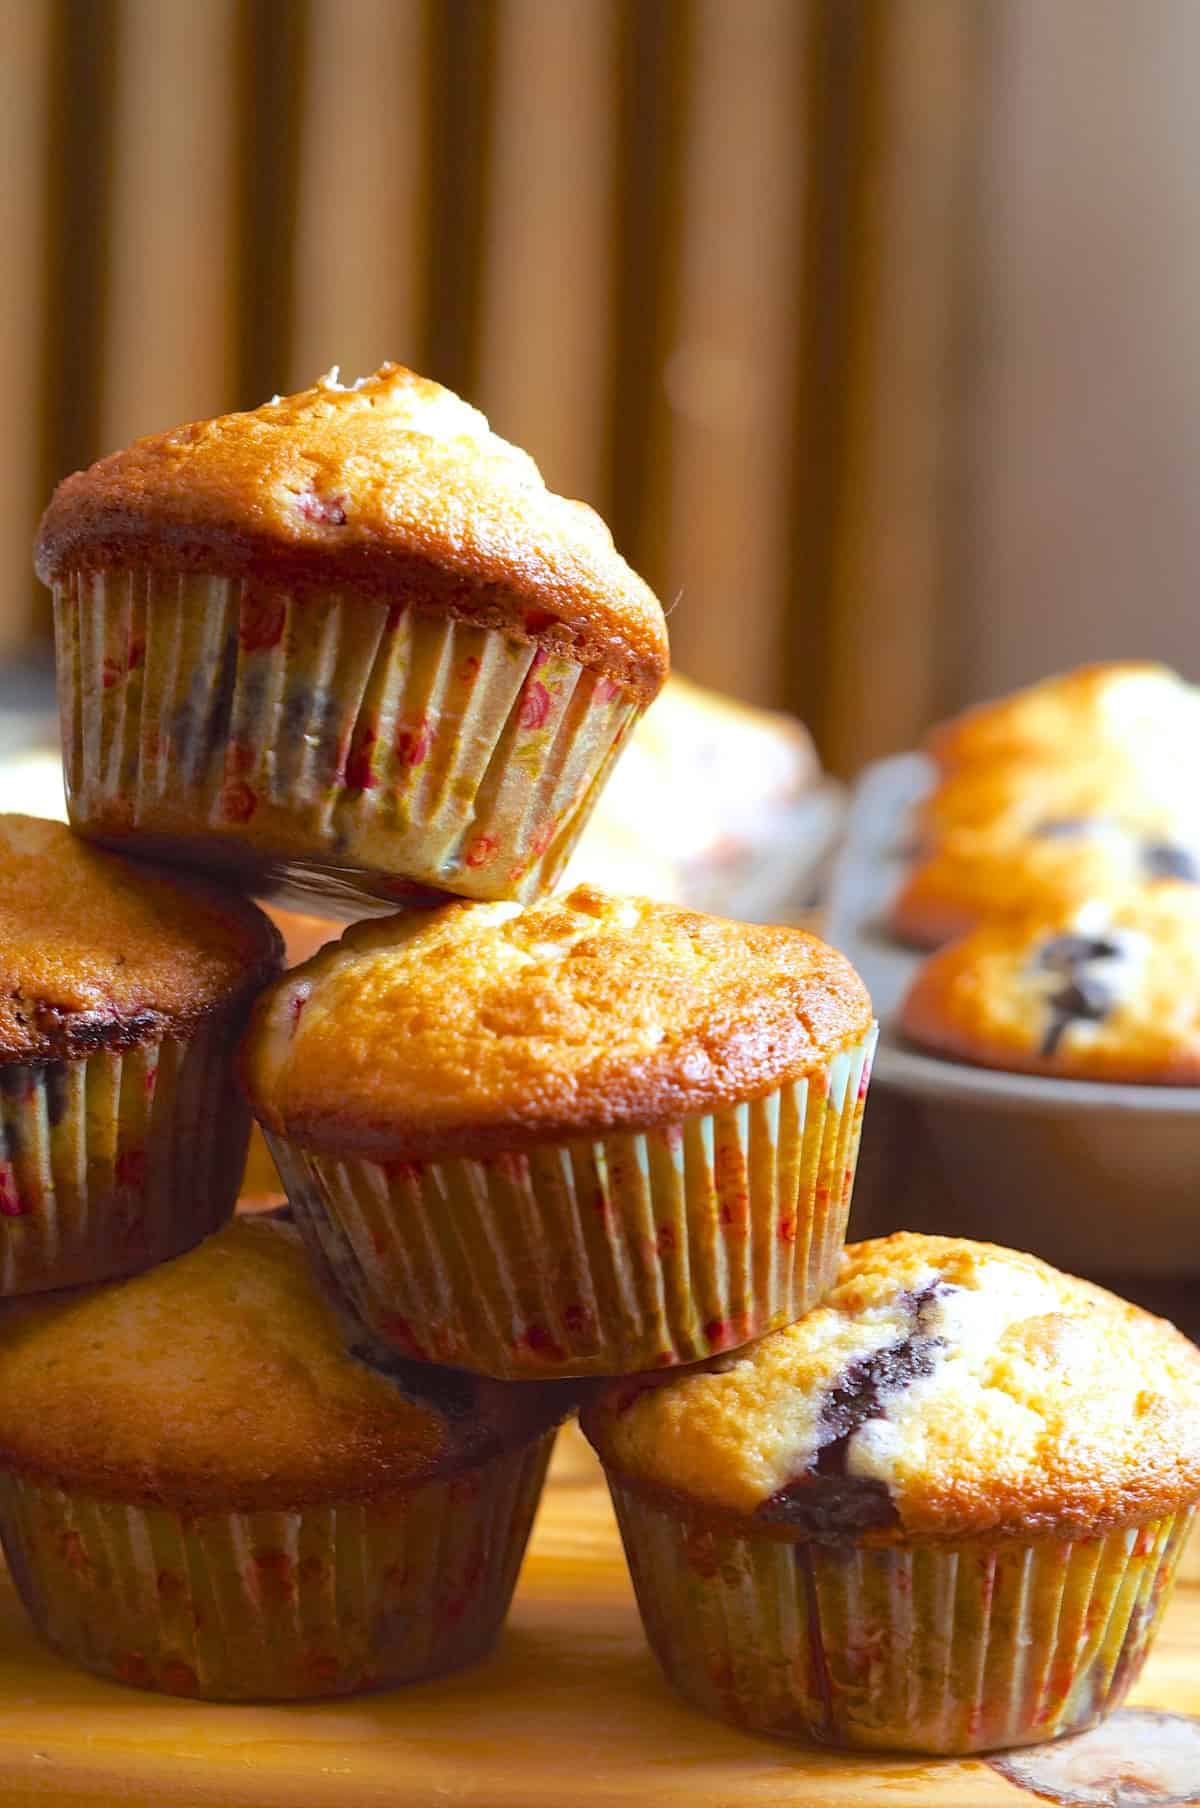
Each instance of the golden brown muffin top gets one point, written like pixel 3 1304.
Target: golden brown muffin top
pixel 220 1381
pixel 478 1028
pixel 1106 991
pixel 943 1389
pixel 1121 704
pixel 101 952
pixel 393 485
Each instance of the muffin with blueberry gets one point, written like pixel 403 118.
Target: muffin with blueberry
pixel 1130 707
pixel 941 1513
pixel 203 1492
pixel 589 1136
pixel 123 991
pixel 1032 796
pixel 347 641
pixel 1106 991
pixel 977 875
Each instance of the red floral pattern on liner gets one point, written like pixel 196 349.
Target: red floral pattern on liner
pixel 728 1333
pixel 408 1173
pixel 398 1331
pixel 239 801
pixel 607 690
pixel 130 1168
pixel 539 1342
pixel 535 706
pixel 482 850
pixel 413 743
pixel 272 1575
pixel 261 621
pixel 358 775
pixel 12 1205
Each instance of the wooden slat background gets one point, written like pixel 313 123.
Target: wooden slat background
pixel 701 257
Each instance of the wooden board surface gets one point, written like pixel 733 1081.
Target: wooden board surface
pixel 570 1711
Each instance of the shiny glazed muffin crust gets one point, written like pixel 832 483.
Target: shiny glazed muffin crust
pixel 221 1381
pixel 1109 990
pixel 392 485
pixel 482 1027
pixel 101 952
pixel 944 1389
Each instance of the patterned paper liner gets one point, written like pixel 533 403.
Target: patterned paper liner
pixel 273 1606
pixel 940 1648
pixel 116 1161
pixel 630 1252
pixel 363 753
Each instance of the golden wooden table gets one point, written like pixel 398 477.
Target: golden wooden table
pixel 570 1712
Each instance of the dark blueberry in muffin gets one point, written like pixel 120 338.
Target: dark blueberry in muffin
pixel 1163 860
pixel 1066 952
pixel 1065 828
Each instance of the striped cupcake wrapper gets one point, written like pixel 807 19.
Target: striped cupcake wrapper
pixel 115 1161
pixel 276 1606
pixel 608 1256
pixel 940 1648
pixel 325 744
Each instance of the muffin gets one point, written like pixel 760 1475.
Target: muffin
pixel 1109 991
pixel 975 875
pixel 347 642
pixel 941 1513
pixel 589 1136
pixel 1132 707
pixel 202 1492
pixel 1032 796
pixel 123 992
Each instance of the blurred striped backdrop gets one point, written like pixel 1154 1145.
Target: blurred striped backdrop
pixel 701 257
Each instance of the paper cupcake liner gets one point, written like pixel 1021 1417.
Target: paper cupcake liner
pixel 116 1161
pixel 942 1648
pixel 630 1252
pixel 276 1605
pixel 325 744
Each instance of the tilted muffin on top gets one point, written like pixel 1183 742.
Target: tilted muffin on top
pixel 348 640
pixel 123 991
pixel 942 1512
pixel 589 1136
pixel 201 1491
pixel 1106 991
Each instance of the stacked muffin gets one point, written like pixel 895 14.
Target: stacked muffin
pixel 1057 872
pixel 349 644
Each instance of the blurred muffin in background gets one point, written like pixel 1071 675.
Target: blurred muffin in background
pixel 1109 991
pixel 1131 707
pixel 715 804
pixel 976 875
pixel 347 641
